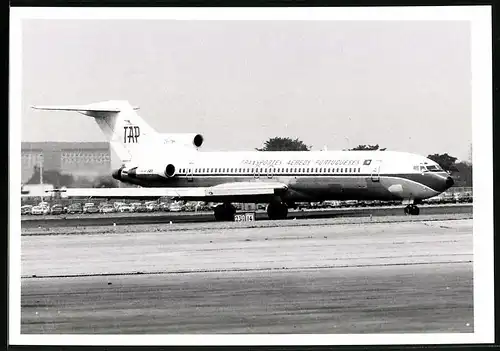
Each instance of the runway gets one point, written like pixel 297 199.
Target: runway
pixel 344 278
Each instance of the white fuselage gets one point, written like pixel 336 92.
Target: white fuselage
pixel 309 175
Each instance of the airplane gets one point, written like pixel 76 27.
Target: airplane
pixel 173 165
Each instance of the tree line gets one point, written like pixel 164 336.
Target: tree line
pixel 460 171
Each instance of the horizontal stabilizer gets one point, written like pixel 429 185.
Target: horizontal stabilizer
pixel 105 106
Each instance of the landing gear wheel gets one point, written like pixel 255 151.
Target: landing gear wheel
pixel 415 211
pixel 224 212
pixel 412 210
pixel 277 210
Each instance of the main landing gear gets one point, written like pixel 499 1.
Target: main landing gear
pixel 412 210
pixel 277 210
pixel 224 212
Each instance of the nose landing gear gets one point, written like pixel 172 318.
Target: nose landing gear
pixel 412 210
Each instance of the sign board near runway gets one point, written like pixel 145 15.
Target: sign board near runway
pixel 244 217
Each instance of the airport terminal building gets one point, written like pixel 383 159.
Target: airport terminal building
pixel 85 159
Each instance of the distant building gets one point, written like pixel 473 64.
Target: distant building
pixel 76 158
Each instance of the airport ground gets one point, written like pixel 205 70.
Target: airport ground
pixel 85 220
pixel 338 275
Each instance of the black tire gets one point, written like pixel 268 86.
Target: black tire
pixel 276 211
pixel 415 211
pixel 224 213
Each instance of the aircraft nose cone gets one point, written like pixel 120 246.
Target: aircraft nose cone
pixel 449 182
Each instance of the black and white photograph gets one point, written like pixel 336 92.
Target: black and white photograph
pixel 251 176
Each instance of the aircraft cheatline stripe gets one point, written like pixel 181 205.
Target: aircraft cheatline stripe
pixel 430 182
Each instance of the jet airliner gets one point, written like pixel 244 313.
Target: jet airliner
pixel 173 165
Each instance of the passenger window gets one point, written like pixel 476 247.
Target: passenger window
pixel 359 170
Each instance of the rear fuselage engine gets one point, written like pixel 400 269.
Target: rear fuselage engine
pixel 135 174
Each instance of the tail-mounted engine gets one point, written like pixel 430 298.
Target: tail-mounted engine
pixel 117 174
pixel 170 170
pixel 144 173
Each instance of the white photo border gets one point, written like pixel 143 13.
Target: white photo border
pixel 481 41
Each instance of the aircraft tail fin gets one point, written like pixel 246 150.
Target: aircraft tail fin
pixel 128 134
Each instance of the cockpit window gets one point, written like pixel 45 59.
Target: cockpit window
pixel 434 168
pixel 428 168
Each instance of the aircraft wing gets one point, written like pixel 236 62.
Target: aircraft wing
pixel 241 191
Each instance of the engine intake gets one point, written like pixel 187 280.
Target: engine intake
pixel 170 170
pixel 198 140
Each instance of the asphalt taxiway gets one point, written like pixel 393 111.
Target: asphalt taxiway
pixel 354 277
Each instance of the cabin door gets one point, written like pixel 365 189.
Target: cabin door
pixel 375 172
pixel 189 173
pixel 256 173
pixel 270 172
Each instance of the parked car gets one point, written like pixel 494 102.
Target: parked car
pixel 106 208
pixel 125 208
pixel 90 208
pixel 140 208
pixel 74 208
pixel 26 209
pixel 40 210
pixel 117 205
pixel 175 207
pixel 135 205
pixel 56 209
pixel 44 204
pixel 464 198
pixel 152 206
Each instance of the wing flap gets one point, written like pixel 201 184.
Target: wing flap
pixel 243 189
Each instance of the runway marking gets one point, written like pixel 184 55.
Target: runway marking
pixel 194 271
pixel 279 224
pixel 236 248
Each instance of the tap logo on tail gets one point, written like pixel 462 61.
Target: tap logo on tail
pixel 131 134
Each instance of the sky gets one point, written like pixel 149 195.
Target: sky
pixel 405 85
